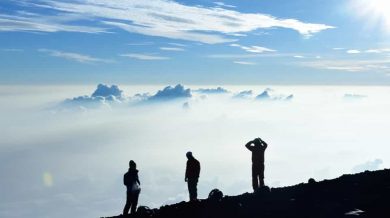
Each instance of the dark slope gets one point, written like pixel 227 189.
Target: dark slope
pixel 368 192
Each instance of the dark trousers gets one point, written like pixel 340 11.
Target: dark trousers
pixel 131 201
pixel 192 183
pixel 257 176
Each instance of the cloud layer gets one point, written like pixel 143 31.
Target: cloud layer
pixel 77 160
pixel 105 95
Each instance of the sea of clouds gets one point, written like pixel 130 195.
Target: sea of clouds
pixel 64 149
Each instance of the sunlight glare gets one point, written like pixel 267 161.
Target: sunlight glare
pixel 377 12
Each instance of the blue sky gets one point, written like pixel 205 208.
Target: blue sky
pixel 195 42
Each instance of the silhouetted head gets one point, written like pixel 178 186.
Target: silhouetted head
pixel 189 155
pixel 132 165
pixel 257 142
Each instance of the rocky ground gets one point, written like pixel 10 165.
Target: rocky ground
pixel 360 195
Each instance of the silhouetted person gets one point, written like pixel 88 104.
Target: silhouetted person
pixel 257 149
pixel 131 181
pixel 192 175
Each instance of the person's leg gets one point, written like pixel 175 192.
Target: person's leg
pixel 255 181
pixel 192 188
pixel 189 188
pixel 128 203
pixel 261 176
pixel 195 196
pixel 134 203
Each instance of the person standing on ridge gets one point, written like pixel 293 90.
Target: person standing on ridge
pixel 192 175
pixel 132 183
pixel 257 149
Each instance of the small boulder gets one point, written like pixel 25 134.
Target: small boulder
pixel 215 195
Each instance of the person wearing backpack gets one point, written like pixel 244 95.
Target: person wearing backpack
pixel 192 175
pixel 257 149
pixel 132 183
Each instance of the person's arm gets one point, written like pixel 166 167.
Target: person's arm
pixel 186 174
pixel 265 145
pixel 124 180
pixel 198 169
pixel 248 145
pixel 139 183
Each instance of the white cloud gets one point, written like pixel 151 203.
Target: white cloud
pixel 171 93
pixel 244 62
pixel 102 96
pixel 144 57
pixel 353 51
pixel 172 49
pixel 177 44
pixel 172 33
pixel 82 58
pixel 41 23
pixel 237 34
pixel 140 44
pixel 253 49
pixel 298 56
pixel 221 4
pixel 351 65
pixel 106 91
pixel 378 50
pixel 249 55
pixel 162 18
pixel 373 50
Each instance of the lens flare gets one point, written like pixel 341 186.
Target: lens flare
pixel 47 179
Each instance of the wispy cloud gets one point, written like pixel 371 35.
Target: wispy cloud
pixel 144 57
pixel 164 18
pixel 42 23
pixel 82 58
pixel 244 62
pixel 253 49
pixel 351 65
pixel 378 50
pixel 370 51
pixel 177 44
pixel 249 55
pixel 353 51
pixel 172 49
pixel 221 4
pixel 140 43
pixel 237 34
pixel 298 56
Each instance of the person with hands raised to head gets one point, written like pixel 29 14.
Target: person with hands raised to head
pixel 257 147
